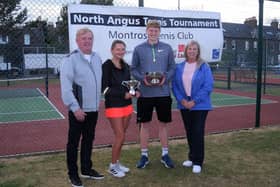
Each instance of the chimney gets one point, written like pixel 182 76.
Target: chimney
pixel 252 22
pixel 274 24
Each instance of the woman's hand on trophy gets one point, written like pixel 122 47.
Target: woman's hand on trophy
pixel 137 94
pixel 128 95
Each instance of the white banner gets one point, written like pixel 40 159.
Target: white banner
pixel 109 23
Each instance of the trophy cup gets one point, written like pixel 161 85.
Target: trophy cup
pixel 131 85
pixel 154 78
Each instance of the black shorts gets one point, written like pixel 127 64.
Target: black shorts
pixel 146 105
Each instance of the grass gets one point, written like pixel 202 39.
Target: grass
pixel 244 158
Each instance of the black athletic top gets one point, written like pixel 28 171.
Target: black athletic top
pixel 112 78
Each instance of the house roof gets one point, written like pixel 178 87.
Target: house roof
pixel 237 30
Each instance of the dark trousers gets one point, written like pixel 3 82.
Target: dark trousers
pixel 76 129
pixel 194 122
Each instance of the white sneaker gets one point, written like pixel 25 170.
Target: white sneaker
pixel 196 169
pixel 187 163
pixel 115 170
pixel 123 168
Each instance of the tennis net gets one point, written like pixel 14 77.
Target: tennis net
pixel 25 87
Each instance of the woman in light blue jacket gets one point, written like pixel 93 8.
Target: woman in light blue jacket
pixel 192 86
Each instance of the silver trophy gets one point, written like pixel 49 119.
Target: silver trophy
pixel 131 85
pixel 154 78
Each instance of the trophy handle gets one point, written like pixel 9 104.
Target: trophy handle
pixel 131 86
pixel 124 83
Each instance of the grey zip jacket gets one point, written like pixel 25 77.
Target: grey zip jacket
pixel 81 81
pixel 142 62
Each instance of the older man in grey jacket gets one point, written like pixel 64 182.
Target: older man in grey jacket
pixel 81 89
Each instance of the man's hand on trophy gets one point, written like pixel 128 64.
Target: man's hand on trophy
pixel 162 80
pixel 146 82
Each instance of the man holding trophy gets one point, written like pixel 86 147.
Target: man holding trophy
pixel 153 65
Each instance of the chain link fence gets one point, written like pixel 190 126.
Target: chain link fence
pixel 34 39
pixel 35 45
pixel 244 78
pixel 31 48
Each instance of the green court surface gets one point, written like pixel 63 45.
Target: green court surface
pixel 222 100
pixel 23 105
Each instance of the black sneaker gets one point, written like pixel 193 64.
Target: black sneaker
pixel 167 162
pixel 143 162
pixel 76 181
pixel 92 174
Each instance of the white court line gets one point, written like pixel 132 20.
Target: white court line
pixel 38 111
pixel 22 121
pixel 230 105
pixel 44 111
pixel 61 115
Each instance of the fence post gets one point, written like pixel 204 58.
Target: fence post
pixel 229 78
pixel 260 59
pixel 45 31
pixel 7 73
pixel 47 72
pixel 265 68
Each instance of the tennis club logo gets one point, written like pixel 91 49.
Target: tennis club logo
pixel 181 50
pixel 215 54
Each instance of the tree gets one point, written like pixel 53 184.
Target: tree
pixel 62 24
pixel 11 14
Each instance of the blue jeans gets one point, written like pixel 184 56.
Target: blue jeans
pixel 194 122
pixel 86 129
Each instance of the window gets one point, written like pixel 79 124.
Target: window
pixel 256 45
pixel 272 46
pixel 233 44
pixel 225 44
pixel 2 59
pixel 26 39
pixel 247 45
pixel 4 39
pixel 272 60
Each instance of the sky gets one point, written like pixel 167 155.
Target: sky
pixel 234 11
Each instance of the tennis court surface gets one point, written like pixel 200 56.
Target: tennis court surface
pixel 227 100
pixel 28 104
pixel 223 100
pixel 233 111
